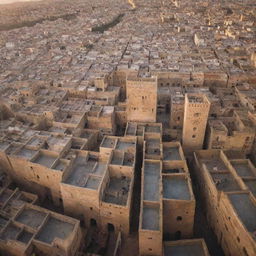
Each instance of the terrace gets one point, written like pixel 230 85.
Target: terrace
pixel 93 182
pixel 131 129
pixel 173 170
pixel 243 168
pixel 214 164
pixel 10 232
pixel 245 208
pixel 26 153
pixel 153 147
pixel 217 125
pixel 151 217
pixel 151 181
pixel 195 99
pixel 25 237
pixel 171 153
pixel 100 168
pixel 54 228
pixel 82 167
pixel 176 187
pixel 60 165
pixel 31 217
pixel 184 249
pixel 251 184
pixel 36 142
pixel 45 159
pixel 117 190
pixel 152 129
pixel 12 148
pixel 124 145
pixel 108 142
pixel 224 181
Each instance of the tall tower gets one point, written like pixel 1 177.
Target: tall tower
pixel 141 99
pixel 196 112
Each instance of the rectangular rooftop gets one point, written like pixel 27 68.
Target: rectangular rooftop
pixel 225 181
pixel 117 190
pixel 151 181
pixel 54 228
pixel 184 248
pixel 245 209
pixel 171 153
pixel 243 168
pixel 81 169
pixel 31 217
pixel 150 217
pixel 176 187
pixel 45 160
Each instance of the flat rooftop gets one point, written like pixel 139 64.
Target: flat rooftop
pixel 108 142
pixel 214 164
pixel 128 159
pixel 10 233
pixel 25 237
pixel 151 181
pixel 243 169
pixel 54 228
pixel 117 158
pixel 173 170
pixel 45 160
pixel 117 190
pixel 150 218
pixel 155 143
pixel 152 129
pixel 36 141
pixel 245 209
pixel 5 195
pixel 176 187
pixel 93 182
pixel 218 125
pixel 195 249
pixel 123 145
pixel 225 182
pixel 171 153
pixel 131 129
pixel 196 99
pixel 100 168
pixel 31 217
pixel 81 169
pixel 26 153
pixel 251 184
pixel 60 165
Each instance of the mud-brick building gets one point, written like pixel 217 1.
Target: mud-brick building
pixel 196 112
pixel 226 187
pixel 141 99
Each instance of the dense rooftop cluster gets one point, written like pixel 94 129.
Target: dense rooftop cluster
pixel 135 119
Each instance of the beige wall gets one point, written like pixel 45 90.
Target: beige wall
pixel 142 100
pixel 194 125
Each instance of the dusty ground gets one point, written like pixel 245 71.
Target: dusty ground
pixel 16 1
